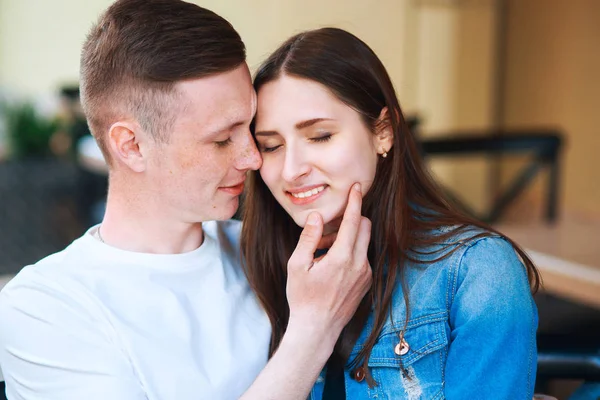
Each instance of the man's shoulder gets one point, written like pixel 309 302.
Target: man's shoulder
pixel 34 297
pixel 48 278
pixel 38 273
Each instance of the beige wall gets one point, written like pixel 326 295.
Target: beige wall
pixel 553 80
pixel 440 59
pixel 40 40
pixel 455 89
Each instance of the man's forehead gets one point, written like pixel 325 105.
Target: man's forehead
pixel 218 87
pixel 254 97
pixel 218 101
pixel 238 110
pixel 234 109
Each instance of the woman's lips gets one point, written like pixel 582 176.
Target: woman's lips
pixel 306 195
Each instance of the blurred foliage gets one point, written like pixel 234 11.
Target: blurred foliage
pixel 28 133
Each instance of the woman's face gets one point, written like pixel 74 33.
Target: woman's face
pixel 314 147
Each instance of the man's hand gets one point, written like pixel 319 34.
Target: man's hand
pixel 323 293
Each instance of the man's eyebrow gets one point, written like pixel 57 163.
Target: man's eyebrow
pixel 228 127
pixel 299 126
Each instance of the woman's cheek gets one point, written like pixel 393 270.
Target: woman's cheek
pixel 268 174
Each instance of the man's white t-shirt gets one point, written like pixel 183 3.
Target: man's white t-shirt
pixel 94 322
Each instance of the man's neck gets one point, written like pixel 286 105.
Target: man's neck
pixel 135 223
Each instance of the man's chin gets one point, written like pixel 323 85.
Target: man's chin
pixel 226 211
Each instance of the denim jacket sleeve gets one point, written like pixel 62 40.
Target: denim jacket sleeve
pixel 493 322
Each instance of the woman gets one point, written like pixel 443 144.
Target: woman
pixel 450 313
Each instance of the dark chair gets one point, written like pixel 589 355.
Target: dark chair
pixel 542 145
pixel 568 341
pixel 568 357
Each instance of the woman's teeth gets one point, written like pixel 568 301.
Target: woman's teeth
pixel 308 193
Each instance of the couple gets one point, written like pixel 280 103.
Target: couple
pixel 411 300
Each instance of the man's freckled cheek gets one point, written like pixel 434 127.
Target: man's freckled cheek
pixel 190 157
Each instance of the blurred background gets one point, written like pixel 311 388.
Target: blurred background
pixel 503 96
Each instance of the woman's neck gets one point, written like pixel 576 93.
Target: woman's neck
pixel 332 226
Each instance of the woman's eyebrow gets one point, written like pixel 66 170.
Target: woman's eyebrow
pixel 310 122
pixel 266 133
pixel 299 126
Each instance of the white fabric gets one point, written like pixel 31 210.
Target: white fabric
pixel 4 279
pixel 94 322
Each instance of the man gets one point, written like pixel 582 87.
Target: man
pixel 152 303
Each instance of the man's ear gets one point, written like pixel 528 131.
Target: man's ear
pixel 124 139
pixel 384 134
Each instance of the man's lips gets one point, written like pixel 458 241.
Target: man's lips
pixel 235 190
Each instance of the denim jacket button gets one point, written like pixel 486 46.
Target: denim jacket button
pixel 359 374
pixel 402 348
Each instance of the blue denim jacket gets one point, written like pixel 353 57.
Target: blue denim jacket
pixel 471 333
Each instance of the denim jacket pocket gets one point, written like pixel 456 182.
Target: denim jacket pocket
pixel 409 367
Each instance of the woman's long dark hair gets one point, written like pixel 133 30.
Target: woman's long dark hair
pixel 403 204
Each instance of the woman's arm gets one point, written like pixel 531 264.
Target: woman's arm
pixel 493 322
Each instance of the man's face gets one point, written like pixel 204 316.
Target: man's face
pixel 199 173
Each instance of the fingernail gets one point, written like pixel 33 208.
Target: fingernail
pixel 313 219
pixel 356 187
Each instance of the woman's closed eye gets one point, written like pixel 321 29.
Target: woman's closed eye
pixel 268 148
pixel 271 147
pixel 322 138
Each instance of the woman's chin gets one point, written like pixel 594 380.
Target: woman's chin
pixel 330 217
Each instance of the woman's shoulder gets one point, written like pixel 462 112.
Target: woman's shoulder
pixel 448 242
pixel 459 234
pixel 470 250
pixel 483 260
pixel 491 254
pixel 461 238
pixel 473 268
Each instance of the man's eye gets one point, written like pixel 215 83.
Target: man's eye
pixel 223 143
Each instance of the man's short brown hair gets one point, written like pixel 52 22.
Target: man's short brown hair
pixel 138 50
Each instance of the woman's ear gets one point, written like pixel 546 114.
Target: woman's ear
pixel 384 134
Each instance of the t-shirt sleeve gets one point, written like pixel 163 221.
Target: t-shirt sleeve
pixel 54 346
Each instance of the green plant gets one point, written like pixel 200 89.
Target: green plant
pixel 28 133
